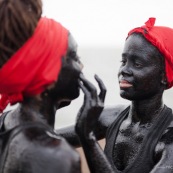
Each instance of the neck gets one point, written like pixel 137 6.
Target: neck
pixel 32 110
pixel 38 110
pixel 145 111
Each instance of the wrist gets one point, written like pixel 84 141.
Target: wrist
pixel 88 137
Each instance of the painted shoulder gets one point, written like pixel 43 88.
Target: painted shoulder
pixel 110 113
pixel 41 150
pixel 167 136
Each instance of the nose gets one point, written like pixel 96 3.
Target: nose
pixel 81 65
pixel 125 71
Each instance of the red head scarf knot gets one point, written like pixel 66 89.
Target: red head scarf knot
pixel 162 38
pixel 35 65
pixel 150 23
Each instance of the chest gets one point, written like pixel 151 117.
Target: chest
pixel 128 143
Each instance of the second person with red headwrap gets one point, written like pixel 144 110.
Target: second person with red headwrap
pixel 138 137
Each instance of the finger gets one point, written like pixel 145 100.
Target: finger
pixel 89 86
pixel 102 87
pixel 87 97
pixel 85 91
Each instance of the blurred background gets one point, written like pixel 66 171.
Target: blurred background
pixel 100 28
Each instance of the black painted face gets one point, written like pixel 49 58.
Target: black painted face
pixel 140 73
pixel 67 85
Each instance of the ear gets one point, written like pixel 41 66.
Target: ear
pixel 164 80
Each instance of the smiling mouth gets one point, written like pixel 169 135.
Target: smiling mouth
pixel 125 84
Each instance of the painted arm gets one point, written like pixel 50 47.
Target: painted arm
pixel 86 123
pixel 165 164
pixel 107 116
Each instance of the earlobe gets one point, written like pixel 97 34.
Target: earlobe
pixel 164 82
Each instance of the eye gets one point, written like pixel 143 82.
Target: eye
pixel 138 65
pixel 72 54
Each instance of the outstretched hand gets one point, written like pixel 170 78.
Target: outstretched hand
pixel 92 106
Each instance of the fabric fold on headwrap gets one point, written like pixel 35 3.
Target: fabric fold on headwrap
pixel 162 38
pixel 35 65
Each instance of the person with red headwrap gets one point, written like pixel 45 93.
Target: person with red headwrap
pixel 39 69
pixel 139 136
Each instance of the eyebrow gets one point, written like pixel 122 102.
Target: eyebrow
pixel 135 56
pixel 124 54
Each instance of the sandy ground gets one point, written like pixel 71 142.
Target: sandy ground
pixel 84 164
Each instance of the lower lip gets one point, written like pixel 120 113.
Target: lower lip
pixel 125 85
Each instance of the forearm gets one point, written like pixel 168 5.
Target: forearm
pixel 70 135
pixel 95 156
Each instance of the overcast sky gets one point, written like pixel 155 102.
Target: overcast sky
pixel 106 22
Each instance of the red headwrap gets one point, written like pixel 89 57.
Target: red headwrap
pixel 162 38
pixel 35 65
